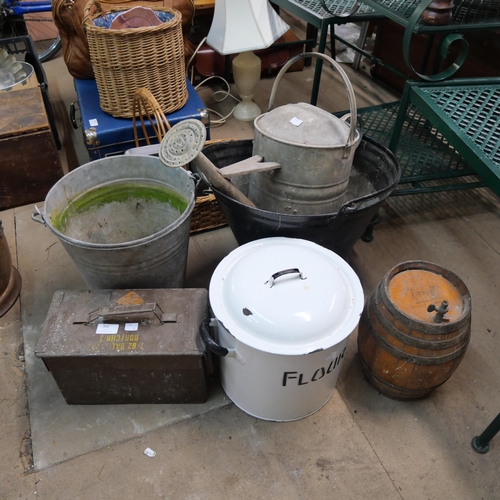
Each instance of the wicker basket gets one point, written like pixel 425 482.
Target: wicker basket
pixel 125 60
pixel 206 215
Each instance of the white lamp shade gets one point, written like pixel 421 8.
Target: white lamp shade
pixel 243 25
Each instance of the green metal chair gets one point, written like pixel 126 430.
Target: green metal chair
pixel 481 443
pixel 321 17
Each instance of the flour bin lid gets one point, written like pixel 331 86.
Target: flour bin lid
pixel 315 305
pixel 303 125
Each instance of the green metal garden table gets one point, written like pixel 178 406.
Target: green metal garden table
pixel 442 130
pixel 463 114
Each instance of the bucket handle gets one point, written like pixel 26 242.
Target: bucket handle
pixel 350 91
pixel 37 213
pixel 212 346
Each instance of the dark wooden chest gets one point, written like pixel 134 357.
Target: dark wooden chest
pixel 29 161
pixel 480 61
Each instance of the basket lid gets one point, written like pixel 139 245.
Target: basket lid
pixel 136 17
pixel 107 20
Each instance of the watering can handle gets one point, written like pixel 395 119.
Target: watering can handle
pixel 350 91
pixel 361 124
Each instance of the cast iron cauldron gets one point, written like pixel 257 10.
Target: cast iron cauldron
pixel 373 165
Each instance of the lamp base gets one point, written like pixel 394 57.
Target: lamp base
pixel 246 111
pixel 246 73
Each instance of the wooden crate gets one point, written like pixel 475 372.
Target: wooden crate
pixel 30 163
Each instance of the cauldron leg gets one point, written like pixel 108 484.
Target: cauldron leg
pixel 481 443
pixel 367 236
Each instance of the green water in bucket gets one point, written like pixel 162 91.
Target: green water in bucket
pixel 119 212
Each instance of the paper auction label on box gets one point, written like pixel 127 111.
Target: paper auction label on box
pixel 106 328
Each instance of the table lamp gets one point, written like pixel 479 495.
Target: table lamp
pixel 242 26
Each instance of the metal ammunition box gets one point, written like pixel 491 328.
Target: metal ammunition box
pixel 127 346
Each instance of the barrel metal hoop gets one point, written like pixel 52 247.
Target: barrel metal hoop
pixel 412 341
pixel 417 360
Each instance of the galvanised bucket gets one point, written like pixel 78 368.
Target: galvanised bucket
pixel 124 221
pixel 315 150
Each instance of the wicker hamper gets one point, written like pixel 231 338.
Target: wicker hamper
pixel 125 60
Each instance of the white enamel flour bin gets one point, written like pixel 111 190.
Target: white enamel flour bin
pixel 284 311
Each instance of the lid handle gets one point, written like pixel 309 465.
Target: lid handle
pixel 275 276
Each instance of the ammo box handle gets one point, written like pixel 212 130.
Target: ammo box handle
pixel 118 312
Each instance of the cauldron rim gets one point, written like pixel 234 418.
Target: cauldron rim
pixel 348 207
pixel 337 231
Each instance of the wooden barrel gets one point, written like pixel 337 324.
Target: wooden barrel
pixel 10 280
pixel 414 330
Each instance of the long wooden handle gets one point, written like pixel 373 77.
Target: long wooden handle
pixel 211 172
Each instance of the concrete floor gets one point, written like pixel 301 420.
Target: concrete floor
pixel 359 445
